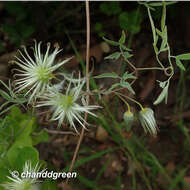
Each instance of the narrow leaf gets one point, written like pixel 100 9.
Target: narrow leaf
pixel 114 86
pixel 185 56
pixel 123 37
pixel 115 55
pixel 127 55
pixel 107 75
pixel 111 42
pixel 159 33
pixel 5 95
pixel 123 47
pixel 163 94
pixel 179 64
pixel 128 76
pixel 127 85
pixel 163 20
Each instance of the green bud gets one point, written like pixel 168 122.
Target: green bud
pixel 128 118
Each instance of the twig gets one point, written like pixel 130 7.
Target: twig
pixel 60 132
pixel 87 85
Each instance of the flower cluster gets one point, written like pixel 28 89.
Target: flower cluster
pixel 65 99
pixel 36 74
pixel 147 120
pixel 67 106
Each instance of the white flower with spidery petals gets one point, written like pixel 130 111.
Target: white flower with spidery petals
pixel 66 107
pixel 20 183
pixel 147 119
pixel 36 74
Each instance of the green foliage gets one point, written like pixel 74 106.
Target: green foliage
pixel 124 52
pixel 23 27
pixel 10 97
pixel 110 8
pixel 162 35
pixel 131 21
pixel 128 20
pixel 18 135
pixel 99 29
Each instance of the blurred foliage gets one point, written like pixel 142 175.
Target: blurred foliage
pixel 19 134
pixel 23 26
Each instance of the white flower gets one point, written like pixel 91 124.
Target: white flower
pixel 36 73
pixel 20 183
pixel 67 106
pixel 146 116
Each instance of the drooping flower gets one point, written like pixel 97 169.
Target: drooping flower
pixel 147 119
pixel 36 74
pixel 69 106
pixel 24 183
pixel 128 117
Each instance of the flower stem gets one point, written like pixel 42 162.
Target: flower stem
pixel 131 99
pixel 87 85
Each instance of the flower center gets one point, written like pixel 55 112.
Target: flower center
pixel 66 101
pixel 43 74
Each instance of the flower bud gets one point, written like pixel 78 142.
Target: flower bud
pixel 147 119
pixel 128 118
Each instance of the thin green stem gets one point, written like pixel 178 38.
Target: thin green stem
pixel 150 68
pixel 131 99
pixel 128 107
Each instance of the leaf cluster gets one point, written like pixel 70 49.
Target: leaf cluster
pixel 18 136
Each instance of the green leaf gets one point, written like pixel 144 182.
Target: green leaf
pixel 163 94
pixel 113 43
pixel 42 136
pixel 127 85
pixel 159 33
pixel 115 55
pixel 16 147
pixel 107 75
pixel 155 48
pixel 26 154
pixel 127 55
pixel 123 37
pixel 185 56
pixel 163 19
pixel 164 39
pixel 179 64
pixel 114 86
pixel 26 126
pixel 5 95
pixel 124 48
pixel 155 38
pixel 128 76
